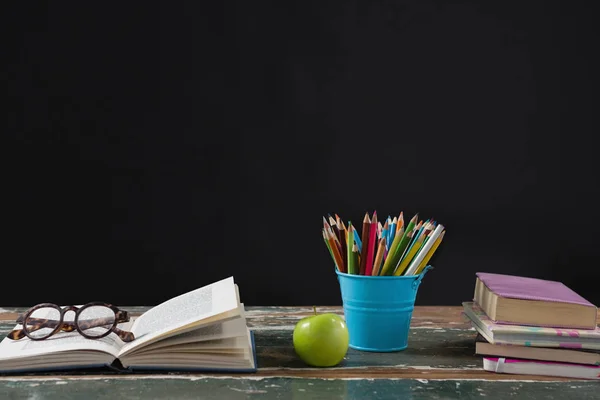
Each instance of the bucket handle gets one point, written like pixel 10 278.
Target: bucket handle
pixel 417 281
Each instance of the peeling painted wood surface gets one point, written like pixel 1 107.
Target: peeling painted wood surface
pixel 295 389
pixel 439 363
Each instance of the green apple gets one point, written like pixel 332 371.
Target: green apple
pixel 321 340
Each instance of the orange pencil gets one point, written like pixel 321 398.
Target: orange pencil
pixel 335 228
pixel 335 242
pixel 379 256
pixel 335 250
pixel 400 222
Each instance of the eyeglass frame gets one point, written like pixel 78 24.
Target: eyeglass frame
pixel 68 326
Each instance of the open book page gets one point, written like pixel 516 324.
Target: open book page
pixel 70 359
pixel 235 345
pixel 232 328
pixel 188 357
pixel 217 301
pixel 59 343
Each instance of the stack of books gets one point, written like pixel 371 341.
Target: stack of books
pixel 534 327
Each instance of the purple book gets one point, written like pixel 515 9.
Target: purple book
pixel 518 287
pixel 531 301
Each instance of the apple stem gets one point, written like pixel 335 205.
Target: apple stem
pixel 315 309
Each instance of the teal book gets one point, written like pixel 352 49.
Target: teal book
pixel 202 330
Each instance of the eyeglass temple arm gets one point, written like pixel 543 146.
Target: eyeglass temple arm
pixel 121 316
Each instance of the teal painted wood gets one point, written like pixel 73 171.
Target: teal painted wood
pixel 295 389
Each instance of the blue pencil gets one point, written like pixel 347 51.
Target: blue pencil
pixel 384 233
pixel 357 240
pixel 391 233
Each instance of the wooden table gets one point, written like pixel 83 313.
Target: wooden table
pixel 439 364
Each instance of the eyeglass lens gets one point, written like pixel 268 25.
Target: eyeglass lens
pixel 95 321
pixel 42 322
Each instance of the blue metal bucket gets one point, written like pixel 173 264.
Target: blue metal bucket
pixel 378 309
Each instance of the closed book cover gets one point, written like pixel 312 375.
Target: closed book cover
pixel 530 335
pixel 574 356
pixel 530 301
pixel 543 368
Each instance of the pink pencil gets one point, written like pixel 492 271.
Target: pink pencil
pixel 372 242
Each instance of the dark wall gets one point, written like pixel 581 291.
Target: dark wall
pixel 154 149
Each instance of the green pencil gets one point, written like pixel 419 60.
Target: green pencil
pixel 352 267
pixel 417 232
pixel 399 250
pixel 355 261
pixel 329 247
pixel 388 259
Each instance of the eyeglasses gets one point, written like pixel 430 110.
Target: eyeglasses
pixel 93 320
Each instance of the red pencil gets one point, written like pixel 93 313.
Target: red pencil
pixel 372 242
pixel 365 244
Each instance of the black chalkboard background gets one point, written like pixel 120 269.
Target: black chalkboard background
pixel 156 147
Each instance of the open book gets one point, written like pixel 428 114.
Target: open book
pixel 204 329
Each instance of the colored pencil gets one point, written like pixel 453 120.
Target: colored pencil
pixel 372 243
pixel 325 224
pixel 387 262
pixel 336 252
pixel 357 240
pixel 365 245
pixel 400 222
pixel 343 238
pixel 329 248
pixel 400 249
pixel 423 263
pixel 391 232
pixel 379 257
pixel 384 231
pixel 427 231
pixel 352 268
pixel 414 237
pixel 385 248
pixel 355 257
pixel 336 230
pixel 409 256
pixel 417 261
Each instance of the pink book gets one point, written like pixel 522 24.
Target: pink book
pixel 534 302
pixel 543 368
pixel 530 336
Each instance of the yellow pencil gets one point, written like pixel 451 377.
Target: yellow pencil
pixel 406 260
pixel 430 254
